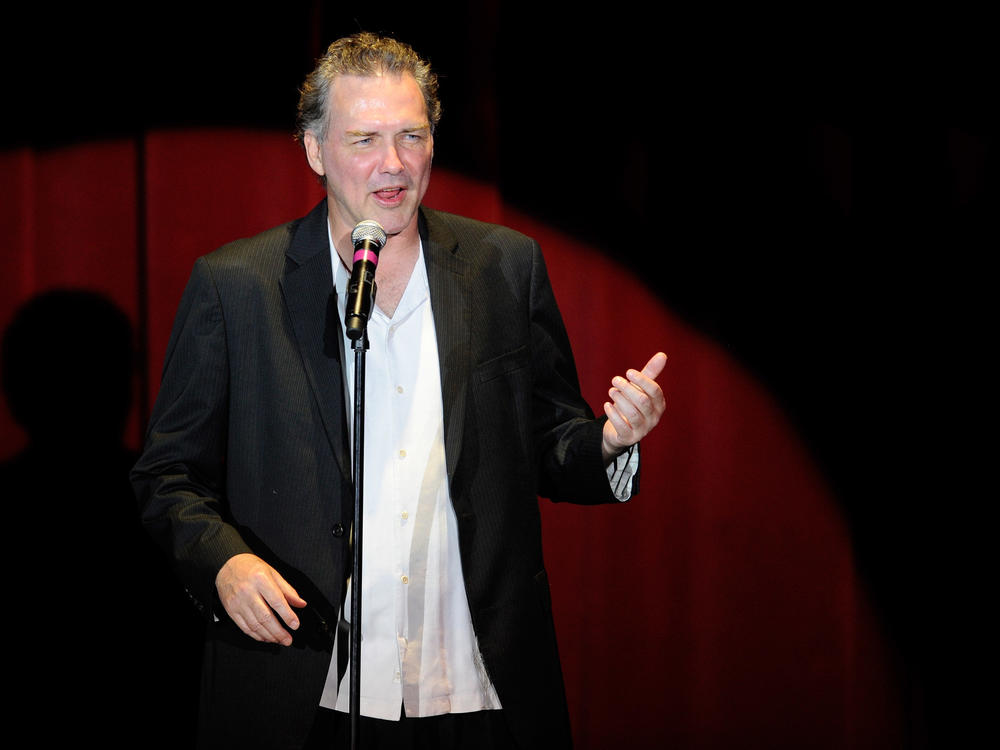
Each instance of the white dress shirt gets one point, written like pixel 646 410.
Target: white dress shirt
pixel 418 646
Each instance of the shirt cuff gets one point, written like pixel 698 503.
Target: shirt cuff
pixel 622 473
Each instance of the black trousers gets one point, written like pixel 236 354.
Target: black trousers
pixel 478 730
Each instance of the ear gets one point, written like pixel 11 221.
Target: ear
pixel 313 153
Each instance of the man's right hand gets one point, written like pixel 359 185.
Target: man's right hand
pixel 252 593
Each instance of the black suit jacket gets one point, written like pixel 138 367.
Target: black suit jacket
pixel 247 452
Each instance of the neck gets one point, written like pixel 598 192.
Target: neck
pixel 404 243
pixel 395 263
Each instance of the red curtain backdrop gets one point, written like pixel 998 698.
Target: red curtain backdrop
pixel 720 608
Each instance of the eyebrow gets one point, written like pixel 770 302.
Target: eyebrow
pixel 367 133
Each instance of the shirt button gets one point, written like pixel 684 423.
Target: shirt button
pixel 338 529
pixel 399 389
pixel 405 579
pixel 404 515
pixel 402 454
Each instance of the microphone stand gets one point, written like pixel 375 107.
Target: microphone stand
pixel 368 237
pixel 360 347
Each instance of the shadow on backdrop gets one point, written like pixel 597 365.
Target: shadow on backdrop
pixel 113 639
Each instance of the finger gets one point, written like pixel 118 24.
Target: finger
pixel 291 595
pixel 267 626
pixel 260 626
pixel 644 383
pixel 635 403
pixel 252 592
pixel 655 366
pixel 268 605
pixel 620 426
pixel 244 626
pixel 646 393
pixel 630 409
pixel 248 616
pixel 281 599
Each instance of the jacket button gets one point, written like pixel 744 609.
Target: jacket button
pixel 338 529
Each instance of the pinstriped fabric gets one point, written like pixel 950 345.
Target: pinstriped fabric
pixel 247 451
pixel 247 360
pixel 510 391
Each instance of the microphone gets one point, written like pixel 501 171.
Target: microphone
pixel 368 238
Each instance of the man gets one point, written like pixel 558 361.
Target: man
pixel 472 410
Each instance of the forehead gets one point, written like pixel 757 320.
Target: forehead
pixel 379 99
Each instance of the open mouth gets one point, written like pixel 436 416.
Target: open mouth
pixel 390 195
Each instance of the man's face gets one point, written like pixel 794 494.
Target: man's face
pixel 377 152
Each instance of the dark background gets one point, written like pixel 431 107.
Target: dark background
pixel 815 190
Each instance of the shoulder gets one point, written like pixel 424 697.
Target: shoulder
pixel 479 244
pixel 449 228
pixel 260 251
pixel 268 253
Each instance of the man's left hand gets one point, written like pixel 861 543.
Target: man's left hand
pixel 636 405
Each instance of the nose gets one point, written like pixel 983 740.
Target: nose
pixel 391 163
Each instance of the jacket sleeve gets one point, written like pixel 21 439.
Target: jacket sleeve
pixel 566 434
pixel 179 479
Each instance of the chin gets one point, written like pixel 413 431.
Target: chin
pixel 396 221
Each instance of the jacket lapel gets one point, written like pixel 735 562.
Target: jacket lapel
pixel 448 279
pixel 311 302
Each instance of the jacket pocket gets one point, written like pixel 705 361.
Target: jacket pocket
pixel 502 365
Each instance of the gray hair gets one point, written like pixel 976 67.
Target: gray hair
pixel 363 54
